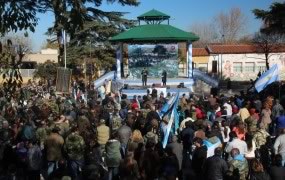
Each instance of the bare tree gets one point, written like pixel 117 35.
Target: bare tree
pixel 20 39
pixel 206 31
pixel 268 44
pixel 231 25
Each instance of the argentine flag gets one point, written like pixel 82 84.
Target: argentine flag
pixel 174 118
pixel 267 78
pixel 167 106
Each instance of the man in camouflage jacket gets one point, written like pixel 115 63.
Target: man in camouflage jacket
pixel 74 147
pixel 260 136
pixel 238 166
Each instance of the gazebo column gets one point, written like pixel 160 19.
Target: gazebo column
pixel 189 60
pixel 119 58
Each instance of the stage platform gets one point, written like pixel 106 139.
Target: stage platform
pixel 134 86
pixel 188 82
pixel 141 92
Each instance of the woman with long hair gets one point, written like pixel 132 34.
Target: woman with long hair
pixel 251 147
pixel 136 145
pixel 250 153
pixel 258 172
pixel 225 130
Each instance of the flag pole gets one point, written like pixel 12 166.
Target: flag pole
pixel 279 83
pixel 64 41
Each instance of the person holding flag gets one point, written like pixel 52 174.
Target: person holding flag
pixel 268 77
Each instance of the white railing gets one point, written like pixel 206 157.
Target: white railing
pixel 100 81
pixel 27 72
pixel 197 74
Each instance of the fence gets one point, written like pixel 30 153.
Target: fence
pixel 27 72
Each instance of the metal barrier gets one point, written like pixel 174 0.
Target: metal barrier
pixel 197 74
pixel 100 81
pixel 27 72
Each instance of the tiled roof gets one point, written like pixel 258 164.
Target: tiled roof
pixel 237 49
pixel 200 52
pixel 232 49
pixel 229 49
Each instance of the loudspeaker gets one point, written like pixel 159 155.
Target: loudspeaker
pixel 214 91
pixel 214 66
pixel 181 85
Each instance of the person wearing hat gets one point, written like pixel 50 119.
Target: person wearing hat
pixel 103 134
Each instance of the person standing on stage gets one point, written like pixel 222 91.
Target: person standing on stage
pixel 144 76
pixel 164 77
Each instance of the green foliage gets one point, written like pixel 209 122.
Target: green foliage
pixel 89 29
pixel 10 61
pixel 274 19
pixel 46 70
pixel 84 22
pixel 17 15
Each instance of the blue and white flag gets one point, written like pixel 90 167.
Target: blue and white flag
pixel 63 37
pixel 173 118
pixel 167 106
pixel 168 129
pixel 267 78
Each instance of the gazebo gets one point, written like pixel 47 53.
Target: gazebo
pixel 154 30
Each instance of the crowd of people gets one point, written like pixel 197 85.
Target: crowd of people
pixel 49 136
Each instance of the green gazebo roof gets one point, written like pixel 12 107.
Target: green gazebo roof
pixel 155 32
pixel 153 14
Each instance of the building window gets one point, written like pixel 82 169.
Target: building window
pixel 261 67
pixel 237 67
pixel 249 67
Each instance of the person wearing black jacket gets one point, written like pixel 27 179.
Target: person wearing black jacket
pixel 277 171
pixel 199 157
pixel 164 77
pixel 215 167
pixel 187 136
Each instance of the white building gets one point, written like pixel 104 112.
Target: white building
pixel 237 62
pixel 43 56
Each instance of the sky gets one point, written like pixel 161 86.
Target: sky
pixel 183 13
